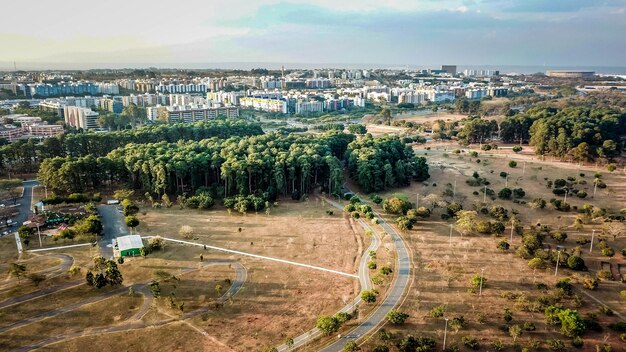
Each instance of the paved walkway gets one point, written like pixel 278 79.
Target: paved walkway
pixel 256 256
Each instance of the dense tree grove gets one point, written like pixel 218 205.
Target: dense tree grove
pixel 271 163
pixel 380 163
pixel 26 155
pixel 582 133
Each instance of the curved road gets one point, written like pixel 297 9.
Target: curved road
pixel 364 280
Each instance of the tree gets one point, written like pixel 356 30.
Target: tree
pixel 397 318
pixel 351 346
pixel 327 324
pixel 369 296
pixel 10 189
pixel 466 221
pixel 505 193
pixel 357 129
pixel 289 343
pixel 575 262
pixel 18 270
pixel 395 205
pixel 515 331
pixel 478 281
pixel 131 221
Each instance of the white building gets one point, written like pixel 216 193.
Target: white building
pixel 193 113
pixel 308 107
pixel 264 104
pixel 80 117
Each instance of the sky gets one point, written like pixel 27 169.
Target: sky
pixel 376 32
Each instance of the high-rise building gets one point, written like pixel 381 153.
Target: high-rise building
pixel 80 117
pixel 449 69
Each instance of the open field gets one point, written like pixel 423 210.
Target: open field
pixel 444 265
pixel 278 300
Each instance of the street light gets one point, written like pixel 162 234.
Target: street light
pixel 39 233
pixel 445 334
pixel 558 258
pixel 450 235
pixel 593 232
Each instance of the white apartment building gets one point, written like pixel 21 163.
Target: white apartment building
pixel 80 117
pixel 264 104
pixel 309 107
pixel 193 113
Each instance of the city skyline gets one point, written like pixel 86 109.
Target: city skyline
pixel 471 32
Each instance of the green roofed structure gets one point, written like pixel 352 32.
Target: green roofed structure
pixel 128 246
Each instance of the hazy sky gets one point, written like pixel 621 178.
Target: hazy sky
pixel 419 32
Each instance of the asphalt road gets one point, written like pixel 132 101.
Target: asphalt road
pixel 113 226
pixel 392 299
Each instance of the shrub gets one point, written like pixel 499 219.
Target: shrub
pixel 503 245
pixel 517 149
pixel 397 318
pixel 503 174
pixel 559 236
pixel 512 163
pixel 581 194
pixel 395 205
pixel 605 274
pixel 575 262
pixel 591 283
pixel 505 193
pixel 519 193
pixel 369 296
pixel 608 252
pixel 371 265
pixel 470 342
pixel 437 312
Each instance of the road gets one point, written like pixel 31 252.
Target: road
pixel 25 202
pixel 364 281
pixel 396 291
pixel 113 226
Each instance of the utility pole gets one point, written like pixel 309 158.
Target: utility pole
pixel 512 227
pixel 524 169
pixel 595 187
pixel 417 201
pixel 445 334
pixel 485 195
pixel 39 233
pixel 450 235
pixel 558 258
pixel 593 232
pixel 565 199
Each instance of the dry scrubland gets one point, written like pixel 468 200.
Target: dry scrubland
pixel 277 300
pixel 444 268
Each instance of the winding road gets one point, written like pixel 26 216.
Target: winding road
pixel 394 296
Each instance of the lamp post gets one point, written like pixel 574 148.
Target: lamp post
pixel 558 258
pixel 39 234
pixel 450 235
pixel 485 195
pixel 593 232
pixel 445 334
pixel 512 227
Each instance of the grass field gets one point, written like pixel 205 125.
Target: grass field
pixel 444 265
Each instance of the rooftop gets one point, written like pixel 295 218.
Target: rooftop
pixel 129 242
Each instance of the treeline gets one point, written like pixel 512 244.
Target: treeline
pixel 380 163
pixel 268 165
pixel 25 156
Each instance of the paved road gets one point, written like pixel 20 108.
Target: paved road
pixel 25 202
pixel 393 297
pixel 113 226
pixel 364 281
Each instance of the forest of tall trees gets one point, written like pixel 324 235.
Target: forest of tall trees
pixel 381 163
pixel 270 164
pixel 25 156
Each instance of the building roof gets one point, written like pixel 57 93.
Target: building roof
pixel 129 242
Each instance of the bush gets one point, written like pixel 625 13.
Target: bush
pixel 503 245
pixel 608 252
pixel 575 262
pixel 503 174
pixel 519 193
pixel 470 342
pixel 559 236
pixel 376 198
pixel 371 265
pixel 591 283
pixel 505 193
pixel 605 274
pixel 581 194
pixel 369 296
pixel 396 318
pixel 512 163
pixel 395 205
pixel 437 312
